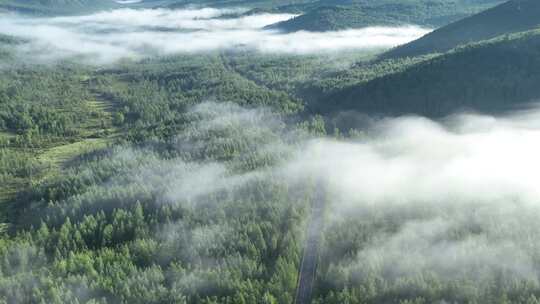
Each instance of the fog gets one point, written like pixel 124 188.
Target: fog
pixel 128 1
pixel 470 158
pixel 461 194
pixel 106 37
pixel 459 197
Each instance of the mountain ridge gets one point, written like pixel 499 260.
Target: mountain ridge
pixel 487 76
pixel 510 17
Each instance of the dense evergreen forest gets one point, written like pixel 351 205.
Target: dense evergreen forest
pixel 191 177
pixel 62 208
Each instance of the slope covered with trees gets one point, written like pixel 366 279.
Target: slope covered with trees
pixel 510 17
pixel 488 76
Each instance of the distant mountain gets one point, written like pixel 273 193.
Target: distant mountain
pixel 487 76
pixel 266 4
pixel 332 18
pixel 510 17
pixel 321 16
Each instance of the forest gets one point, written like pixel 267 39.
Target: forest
pixel 198 160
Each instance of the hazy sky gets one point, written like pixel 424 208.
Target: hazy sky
pixel 108 36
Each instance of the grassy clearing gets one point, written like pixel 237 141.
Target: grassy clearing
pixel 51 162
pixel 58 156
pixel 6 135
pixel 95 133
pixel 100 124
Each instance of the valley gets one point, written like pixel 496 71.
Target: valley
pixel 269 151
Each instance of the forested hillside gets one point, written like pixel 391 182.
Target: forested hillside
pixel 510 17
pixel 487 76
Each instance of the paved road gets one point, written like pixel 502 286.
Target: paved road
pixel 308 266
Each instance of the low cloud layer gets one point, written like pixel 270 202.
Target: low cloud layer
pixel 126 33
pixel 458 199
pixel 469 157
